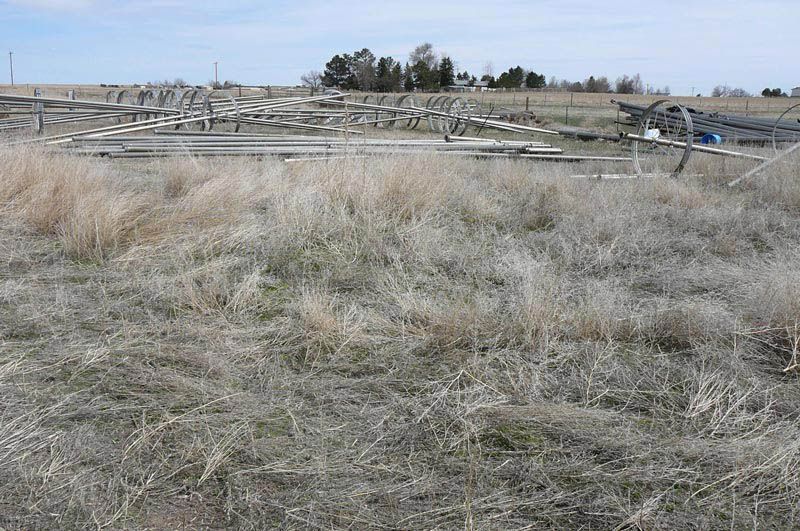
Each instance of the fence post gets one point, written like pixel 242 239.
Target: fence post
pixel 527 103
pixel 566 115
pixel 38 113
pixel 269 92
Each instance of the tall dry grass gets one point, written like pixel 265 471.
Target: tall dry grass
pixel 400 342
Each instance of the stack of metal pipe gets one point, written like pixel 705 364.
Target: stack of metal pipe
pixel 741 129
pixel 160 145
pixel 160 124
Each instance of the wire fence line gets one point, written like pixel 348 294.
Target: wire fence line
pixel 569 108
pixel 508 98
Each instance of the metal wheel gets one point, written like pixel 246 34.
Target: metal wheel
pixel 125 96
pixel 167 99
pixel 146 98
pixel 218 98
pixel 386 101
pixel 790 132
pixel 459 112
pixel 435 103
pixel 407 101
pixel 670 134
pixel 191 107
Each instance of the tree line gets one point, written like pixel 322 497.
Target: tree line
pixel 429 71
pixel 425 70
pixel 724 91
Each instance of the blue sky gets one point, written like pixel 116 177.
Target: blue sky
pixel 682 43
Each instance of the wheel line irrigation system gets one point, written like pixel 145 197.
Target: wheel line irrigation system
pixel 183 122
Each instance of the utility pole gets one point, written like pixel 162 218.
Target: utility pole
pixel 216 77
pixel 11 66
pixel 693 92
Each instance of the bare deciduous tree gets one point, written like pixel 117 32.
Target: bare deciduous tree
pixel 629 85
pixel 724 91
pixel 312 78
pixel 425 53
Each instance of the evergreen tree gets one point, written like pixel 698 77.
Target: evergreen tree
pixel 511 79
pixel 385 75
pixel 534 80
pixel 337 72
pixel 396 78
pixel 362 68
pixel 408 78
pixel 424 77
pixel 446 72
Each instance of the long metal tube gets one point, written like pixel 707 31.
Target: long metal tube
pixel 155 123
pixel 73 104
pixel 674 143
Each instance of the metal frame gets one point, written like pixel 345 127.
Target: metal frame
pixel 644 121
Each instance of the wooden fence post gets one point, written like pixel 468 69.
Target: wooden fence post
pixel 38 113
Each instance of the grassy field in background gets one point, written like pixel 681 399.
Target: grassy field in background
pixel 399 342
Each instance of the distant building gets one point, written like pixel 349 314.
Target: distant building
pixel 796 92
pixel 463 85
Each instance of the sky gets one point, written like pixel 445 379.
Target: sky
pixel 686 45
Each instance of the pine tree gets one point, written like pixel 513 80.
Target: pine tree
pixel 337 71
pixel 408 78
pixel 384 73
pixel 534 80
pixel 446 72
pixel 396 77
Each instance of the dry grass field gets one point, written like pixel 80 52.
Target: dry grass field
pixel 397 343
